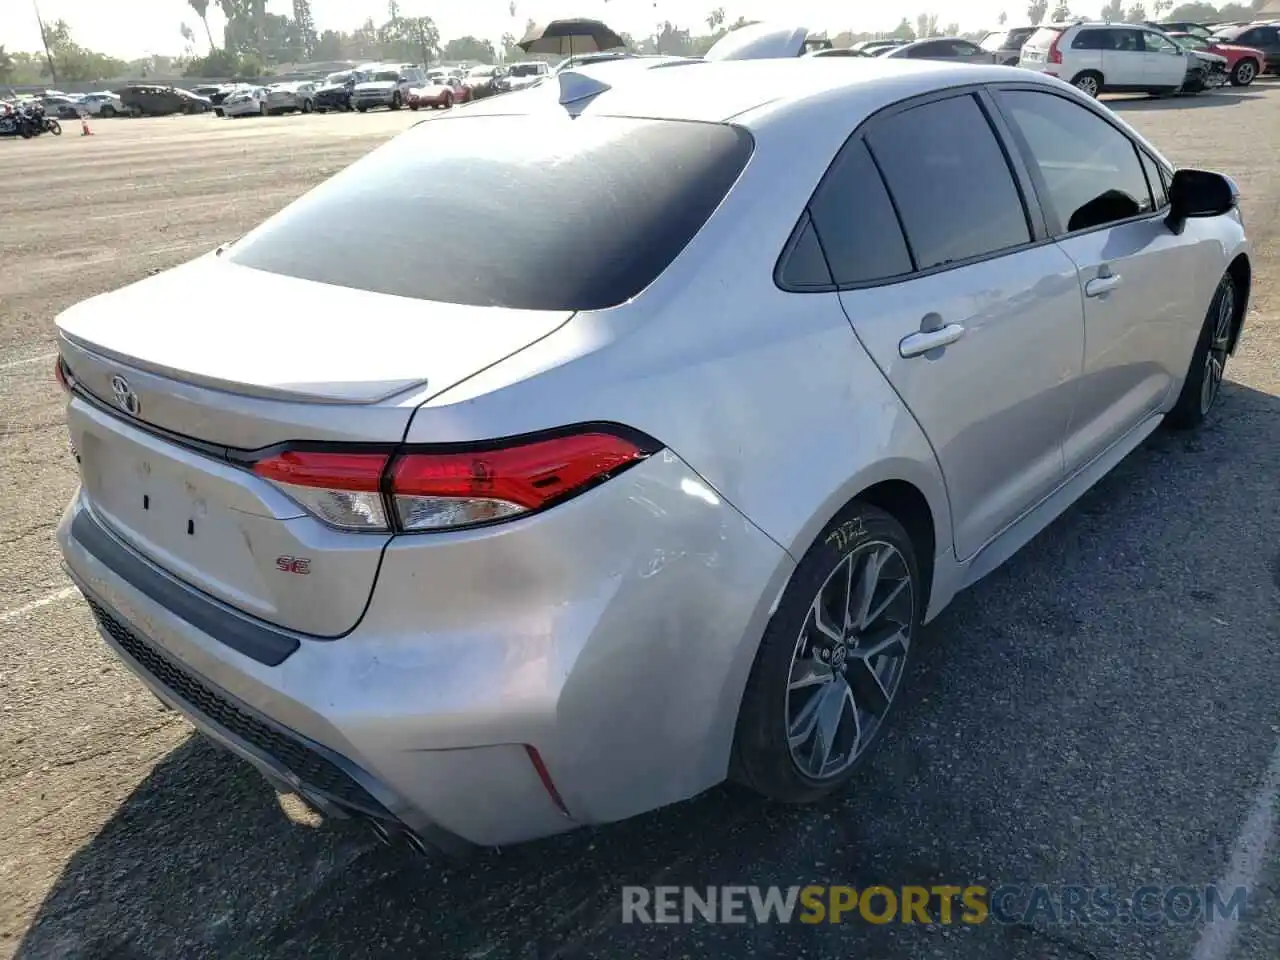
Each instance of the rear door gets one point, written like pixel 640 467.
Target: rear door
pixel 1124 60
pixel 977 326
pixel 1137 279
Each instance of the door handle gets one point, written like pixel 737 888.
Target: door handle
pixel 925 340
pixel 1102 284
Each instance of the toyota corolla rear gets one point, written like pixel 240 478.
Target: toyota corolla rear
pixel 303 523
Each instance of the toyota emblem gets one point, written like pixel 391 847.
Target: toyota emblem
pixel 125 398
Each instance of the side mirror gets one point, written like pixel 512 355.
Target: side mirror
pixel 1199 193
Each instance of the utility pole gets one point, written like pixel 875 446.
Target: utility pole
pixel 44 39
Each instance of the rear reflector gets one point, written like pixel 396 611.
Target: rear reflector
pixel 60 374
pixel 424 490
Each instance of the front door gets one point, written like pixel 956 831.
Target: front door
pixel 1135 275
pixel 979 331
pixel 1163 63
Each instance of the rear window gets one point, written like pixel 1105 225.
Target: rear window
pixel 1005 39
pixel 1043 38
pixel 583 215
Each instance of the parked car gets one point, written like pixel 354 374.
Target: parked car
pixel 513 565
pixel 525 74
pixel 871 46
pixel 437 93
pixel 1260 36
pixel 1109 57
pixel 292 97
pixel 217 92
pixel 247 102
pixel 155 100
pixel 62 106
pixel 1243 64
pixel 1181 26
pixel 483 81
pixel 583 59
pixel 387 88
pixel 1006 43
pixel 102 104
pixel 956 49
pixel 836 52
pixel 334 92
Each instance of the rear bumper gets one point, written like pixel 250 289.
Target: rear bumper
pixel 613 635
pixel 241 109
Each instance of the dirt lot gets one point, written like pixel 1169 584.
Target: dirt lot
pixel 1102 711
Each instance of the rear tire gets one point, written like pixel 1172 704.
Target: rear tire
pixel 448 101
pixel 307 106
pixel 107 111
pixel 362 108
pixel 413 107
pixel 1088 82
pixel 818 697
pixel 1203 383
pixel 1244 72
pixel 396 101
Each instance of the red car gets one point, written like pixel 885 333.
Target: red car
pixel 1243 63
pixel 439 92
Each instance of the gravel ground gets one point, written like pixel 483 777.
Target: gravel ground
pixel 1101 711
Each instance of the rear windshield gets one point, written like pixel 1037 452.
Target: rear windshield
pixel 1043 38
pixel 1005 39
pixel 584 215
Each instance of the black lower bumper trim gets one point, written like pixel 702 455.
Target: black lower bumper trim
pixel 255 640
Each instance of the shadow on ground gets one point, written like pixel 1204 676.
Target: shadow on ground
pixel 1056 726
pixel 1223 97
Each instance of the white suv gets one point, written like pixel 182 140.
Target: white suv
pixel 1115 57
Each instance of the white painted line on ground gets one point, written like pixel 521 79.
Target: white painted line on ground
pixel 1248 859
pixel 22 363
pixel 17 613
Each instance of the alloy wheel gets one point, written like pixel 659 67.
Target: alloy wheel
pixel 1088 85
pixel 1215 358
pixel 849 659
pixel 1244 74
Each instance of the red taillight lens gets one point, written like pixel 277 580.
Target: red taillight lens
pixel 442 490
pixel 437 491
pixel 1055 55
pixel 342 489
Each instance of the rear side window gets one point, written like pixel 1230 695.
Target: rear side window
pixel 557 213
pixel 1093 40
pixel 855 221
pixel 950 182
pixel 1090 169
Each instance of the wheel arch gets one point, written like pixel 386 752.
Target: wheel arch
pixel 1240 271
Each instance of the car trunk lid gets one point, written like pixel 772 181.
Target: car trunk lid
pixel 180 377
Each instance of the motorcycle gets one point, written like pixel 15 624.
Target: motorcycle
pixel 27 123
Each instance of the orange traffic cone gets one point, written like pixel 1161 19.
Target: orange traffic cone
pixel 84 127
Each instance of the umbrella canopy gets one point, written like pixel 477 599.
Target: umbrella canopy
pixel 564 38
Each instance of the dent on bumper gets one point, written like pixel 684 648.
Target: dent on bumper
pixel 614 634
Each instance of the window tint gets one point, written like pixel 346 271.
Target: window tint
pixel 932 49
pixel 1092 40
pixel 584 215
pixel 962 48
pixel 1155 180
pixel 1090 168
pixel 855 220
pixel 1157 44
pixel 803 265
pixel 950 181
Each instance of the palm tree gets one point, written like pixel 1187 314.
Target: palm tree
pixel 6 65
pixel 201 7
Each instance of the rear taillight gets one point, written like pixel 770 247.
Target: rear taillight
pixel 342 489
pixel 1055 55
pixel 421 490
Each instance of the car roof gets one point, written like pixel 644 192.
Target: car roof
pixel 719 91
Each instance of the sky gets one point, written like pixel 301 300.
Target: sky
pixel 129 29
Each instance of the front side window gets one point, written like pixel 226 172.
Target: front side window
pixel 962 48
pixel 1090 169
pixel 1155 43
pixel 950 182
pixel 1126 41
pixel 1155 180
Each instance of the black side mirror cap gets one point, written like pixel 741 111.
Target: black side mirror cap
pixel 1199 193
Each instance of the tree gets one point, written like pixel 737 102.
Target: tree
pixel 8 66
pixel 1160 6
pixel 470 49
pixel 1061 12
pixel 1036 11
pixel 903 31
pixel 1136 13
pixel 409 38
pixel 1002 19
pixel 201 7
pixel 951 30
pixel 715 19
pixel 1113 11
pixel 305 25
pixel 1194 12
pixel 926 25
